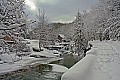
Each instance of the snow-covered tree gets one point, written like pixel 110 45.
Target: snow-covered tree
pixel 104 16
pixel 12 16
pixel 11 12
pixel 42 29
pixel 79 36
pixel 111 26
pixel 12 24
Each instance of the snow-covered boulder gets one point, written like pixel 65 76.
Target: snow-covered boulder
pixel 6 58
pixel 1 49
pixel 56 53
pixel 9 58
pixel 1 62
pixel 58 68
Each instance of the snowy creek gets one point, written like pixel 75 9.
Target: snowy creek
pixel 40 71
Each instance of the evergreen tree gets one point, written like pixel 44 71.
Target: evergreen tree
pixel 79 36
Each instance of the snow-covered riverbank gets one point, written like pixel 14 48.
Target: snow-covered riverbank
pixel 27 61
pixel 9 62
pixel 103 64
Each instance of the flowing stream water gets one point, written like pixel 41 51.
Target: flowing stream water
pixel 41 71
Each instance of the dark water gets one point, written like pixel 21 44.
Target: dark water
pixel 68 60
pixel 42 71
pixel 39 72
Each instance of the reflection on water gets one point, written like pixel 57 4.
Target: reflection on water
pixel 39 72
pixel 68 60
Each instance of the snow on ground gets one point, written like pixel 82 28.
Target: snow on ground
pixel 108 60
pixel 26 61
pixel 46 53
pixel 33 43
pixel 9 62
pixel 105 67
pixel 58 68
pixel 8 58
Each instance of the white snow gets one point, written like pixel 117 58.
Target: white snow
pixel 26 61
pixel 33 43
pixel 58 68
pixel 1 49
pixel 9 58
pixel 47 53
pixel 103 64
pixel 61 35
pixel 80 69
pixel 11 62
pixel 1 62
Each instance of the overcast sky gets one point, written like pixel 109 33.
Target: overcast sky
pixel 58 10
